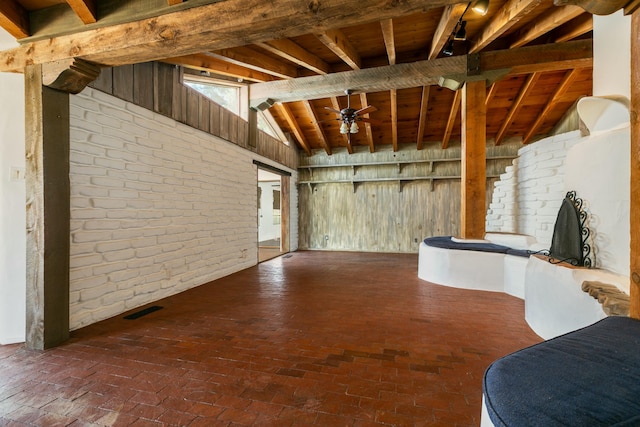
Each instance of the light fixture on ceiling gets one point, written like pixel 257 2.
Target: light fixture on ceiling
pixel 459 32
pixel 448 49
pixel 481 7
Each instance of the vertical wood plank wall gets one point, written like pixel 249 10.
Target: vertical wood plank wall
pixel 158 87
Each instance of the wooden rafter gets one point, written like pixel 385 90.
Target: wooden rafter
pixel 422 119
pixel 517 103
pixel 448 20
pixel 576 28
pixel 14 19
pixel 342 47
pixel 453 115
pixel 251 58
pixel 173 2
pixel 285 112
pixel 85 9
pixel 389 40
pixel 543 25
pixel 566 82
pixel 204 62
pixel 561 56
pixel 394 118
pixel 293 52
pixel 367 126
pixel 490 93
pixel 508 16
pixel 316 126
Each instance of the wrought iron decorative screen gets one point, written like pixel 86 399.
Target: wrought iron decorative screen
pixel 570 234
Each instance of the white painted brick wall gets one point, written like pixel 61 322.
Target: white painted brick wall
pixel 528 195
pixel 156 207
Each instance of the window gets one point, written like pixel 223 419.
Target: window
pixel 225 95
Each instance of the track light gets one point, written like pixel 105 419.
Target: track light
pixel 481 7
pixel 448 49
pixel 461 34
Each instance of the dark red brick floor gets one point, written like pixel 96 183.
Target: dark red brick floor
pixel 318 338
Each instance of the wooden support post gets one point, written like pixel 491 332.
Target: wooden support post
pixel 473 186
pixel 47 194
pixel 285 206
pixel 634 213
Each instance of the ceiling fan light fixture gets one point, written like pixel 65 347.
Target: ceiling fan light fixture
pixel 461 34
pixel 481 7
pixel 344 128
pixel 354 128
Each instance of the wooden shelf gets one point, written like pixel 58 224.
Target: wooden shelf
pixel 399 180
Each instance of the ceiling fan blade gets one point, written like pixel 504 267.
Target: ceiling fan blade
pixel 372 121
pixel 332 109
pixel 366 110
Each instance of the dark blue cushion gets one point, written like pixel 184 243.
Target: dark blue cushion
pixel 445 242
pixel 589 377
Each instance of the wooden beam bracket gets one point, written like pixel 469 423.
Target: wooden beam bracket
pixel 69 75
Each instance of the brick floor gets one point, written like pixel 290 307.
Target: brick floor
pixel 317 338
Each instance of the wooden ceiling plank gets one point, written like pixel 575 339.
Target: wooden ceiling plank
pixel 316 126
pixel 453 115
pixel 508 16
pixel 394 118
pixel 545 24
pixel 14 19
pixel 447 23
pixel 336 106
pixel 562 56
pixel 342 47
pixel 576 28
pixel 526 88
pixel 293 52
pixel 85 9
pixel 566 82
pixel 367 126
pixel 389 39
pixel 251 58
pixel 204 62
pixel 285 112
pixel 422 118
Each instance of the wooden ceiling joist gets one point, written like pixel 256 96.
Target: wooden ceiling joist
pixel 291 51
pixel 508 16
pixel 422 119
pixel 545 24
pixel 453 115
pixel 85 9
pixel 448 21
pixel 285 112
pixel 204 62
pixel 251 58
pixel 389 41
pixel 367 126
pixel 566 82
pixel 526 88
pixel 562 56
pixel 342 47
pixel 316 126
pixel 576 28
pixel 14 19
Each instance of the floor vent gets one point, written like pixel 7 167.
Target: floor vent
pixel 143 312
pixel 287 256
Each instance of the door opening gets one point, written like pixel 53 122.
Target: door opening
pixel 273 215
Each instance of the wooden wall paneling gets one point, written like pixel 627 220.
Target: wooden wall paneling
pixel 233 130
pixel 214 119
pixel 192 113
pixel 224 123
pixel 178 98
pixel 123 82
pixel 163 77
pixel 204 119
pixel 143 85
pixel 635 166
pixel 104 82
pixel 48 213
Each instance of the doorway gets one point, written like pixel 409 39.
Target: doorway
pixel 273 215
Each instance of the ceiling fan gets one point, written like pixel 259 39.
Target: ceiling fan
pixel 350 116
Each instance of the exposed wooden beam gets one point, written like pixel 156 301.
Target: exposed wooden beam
pixel 394 118
pixel 342 47
pixel 546 23
pixel 634 310
pixel 191 30
pixel 490 93
pixel 204 62
pixel 85 9
pixel 389 39
pixel 576 28
pixel 508 16
pixel 316 126
pixel 551 57
pixel 293 52
pixel 251 58
pixel 367 126
pixel 422 119
pixel 517 103
pixel 448 21
pixel 566 82
pixel 474 161
pixel 631 7
pixel 14 19
pixel 596 7
pixel 285 112
pixel 453 115
pixel 345 137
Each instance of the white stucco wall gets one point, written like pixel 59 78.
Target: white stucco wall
pixel 612 55
pixel 157 207
pixel 12 204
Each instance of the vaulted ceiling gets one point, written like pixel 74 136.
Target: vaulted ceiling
pixel 303 55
